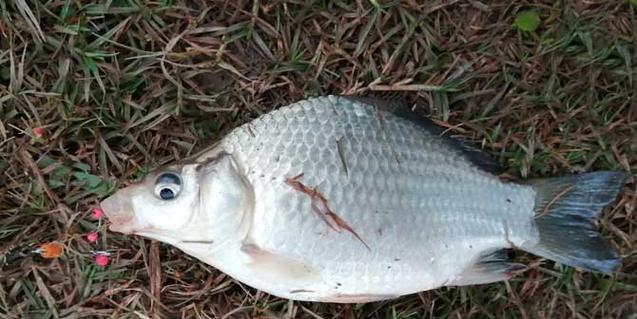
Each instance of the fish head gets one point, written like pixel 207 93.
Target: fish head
pixel 164 200
pixel 196 202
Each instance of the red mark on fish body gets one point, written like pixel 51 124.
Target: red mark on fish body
pixel 322 209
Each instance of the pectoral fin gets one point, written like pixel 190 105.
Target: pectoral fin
pixel 279 268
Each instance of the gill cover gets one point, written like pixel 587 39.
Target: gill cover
pixel 227 199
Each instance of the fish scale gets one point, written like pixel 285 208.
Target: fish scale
pixel 407 162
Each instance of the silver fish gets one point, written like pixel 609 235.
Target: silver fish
pixel 349 200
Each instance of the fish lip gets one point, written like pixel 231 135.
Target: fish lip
pixel 121 228
pixel 119 212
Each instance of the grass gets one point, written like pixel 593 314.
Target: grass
pixel 123 86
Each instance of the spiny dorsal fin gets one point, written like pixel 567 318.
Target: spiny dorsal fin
pixel 478 157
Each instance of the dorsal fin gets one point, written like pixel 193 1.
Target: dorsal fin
pixel 478 157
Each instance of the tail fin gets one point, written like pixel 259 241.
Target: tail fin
pixel 565 208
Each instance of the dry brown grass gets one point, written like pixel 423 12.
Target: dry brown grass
pixel 123 86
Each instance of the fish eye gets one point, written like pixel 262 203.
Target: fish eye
pixel 167 186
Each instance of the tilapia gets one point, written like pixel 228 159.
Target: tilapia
pixel 350 200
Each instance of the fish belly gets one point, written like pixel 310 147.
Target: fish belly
pixel 373 204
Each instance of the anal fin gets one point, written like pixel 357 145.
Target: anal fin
pixel 491 266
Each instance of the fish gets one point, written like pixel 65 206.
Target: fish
pixel 347 199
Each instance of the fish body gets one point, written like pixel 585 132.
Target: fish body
pixel 339 199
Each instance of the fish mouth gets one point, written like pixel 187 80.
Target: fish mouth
pixel 121 228
pixel 118 208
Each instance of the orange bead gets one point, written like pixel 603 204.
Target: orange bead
pixel 51 250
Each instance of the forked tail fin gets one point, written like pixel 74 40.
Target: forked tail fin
pixel 565 208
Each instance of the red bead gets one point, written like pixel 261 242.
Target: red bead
pixel 92 236
pixel 38 131
pixel 97 213
pixel 101 260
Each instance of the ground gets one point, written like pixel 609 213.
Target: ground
pixel 95 94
